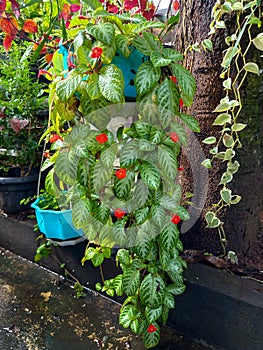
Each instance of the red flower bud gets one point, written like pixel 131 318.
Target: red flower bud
pixel 180 168
pixel 181 103
pixel 121 173
pixel 151 328
pixel 173 78
pixel 96 52
pixel 119 213
pixel 102 138
pixel 176 5
pixel 175 219
pixel 174 137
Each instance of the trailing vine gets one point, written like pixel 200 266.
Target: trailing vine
pixel 236 67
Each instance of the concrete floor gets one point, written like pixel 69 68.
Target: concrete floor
pixel 38 311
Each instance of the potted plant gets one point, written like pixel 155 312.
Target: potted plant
pixel 54 219
pixel 121 177
pixel 22 121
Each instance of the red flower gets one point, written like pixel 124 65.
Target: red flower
pixel 175 219
pixel 181 102
pixel 173 78
pixel 180 168
pixel 102 138
pixel 176 5
pixel 119 213
pixel 174 137
pixel 112 8
pixel 151 328
pixel 130 4
pixel 55 138
pixel 75 7
pixel 121 173
pixel 96 52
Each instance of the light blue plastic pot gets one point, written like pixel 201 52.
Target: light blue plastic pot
pixel 56 224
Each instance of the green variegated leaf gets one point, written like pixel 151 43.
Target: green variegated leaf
pixel 226 195
pixel 174 270
pixel 119 234
pixel 152 291
pixel 131 281
pixel 222 119
pixel 164 257
pixel 238 126
pixel 66 87
pixel 156 134
pixel 168 100
pixel 190 121
pixel 154 43
pixel 139 196
pixel 108 155
pixel 152 339
pixel 176 289
pixel 142 45
pixel 102 213
pixel 169 236
pixel 101 176
pixel 141 27
pixel 122 43
pixel 169 300
pixel 252 67
pixel 83 56
pixel 209 140
pixel 158 60
pixel 150 175
pixel 141 215
pixel 143 249
pixel 169 203
pixel 135 326
pixel 226 178
pixel 167 161
pixel 153 314
pixel 123 257
pixel 180 131
pixel 108 52
pixel 125 317
pixel 183 213
pixel 81 212
pixel 172 54
pixel 158 214
pixel 111 83
pixel 186 82
pixel 93 86
pixel 147 77
pixel 117 285
pixel 123 186
pixel 66 166
pixel 104 32
pixel 50 185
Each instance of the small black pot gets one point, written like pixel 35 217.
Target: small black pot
pixel 15 188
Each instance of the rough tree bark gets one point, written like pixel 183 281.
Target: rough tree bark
pixel 242 221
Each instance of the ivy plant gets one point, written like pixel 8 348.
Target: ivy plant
pixel 235 70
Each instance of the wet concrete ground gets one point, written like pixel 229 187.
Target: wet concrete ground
pixel 38 311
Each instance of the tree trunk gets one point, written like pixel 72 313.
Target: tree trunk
pixel 242 221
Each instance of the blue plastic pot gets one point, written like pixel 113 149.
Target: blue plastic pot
pixel 56 224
